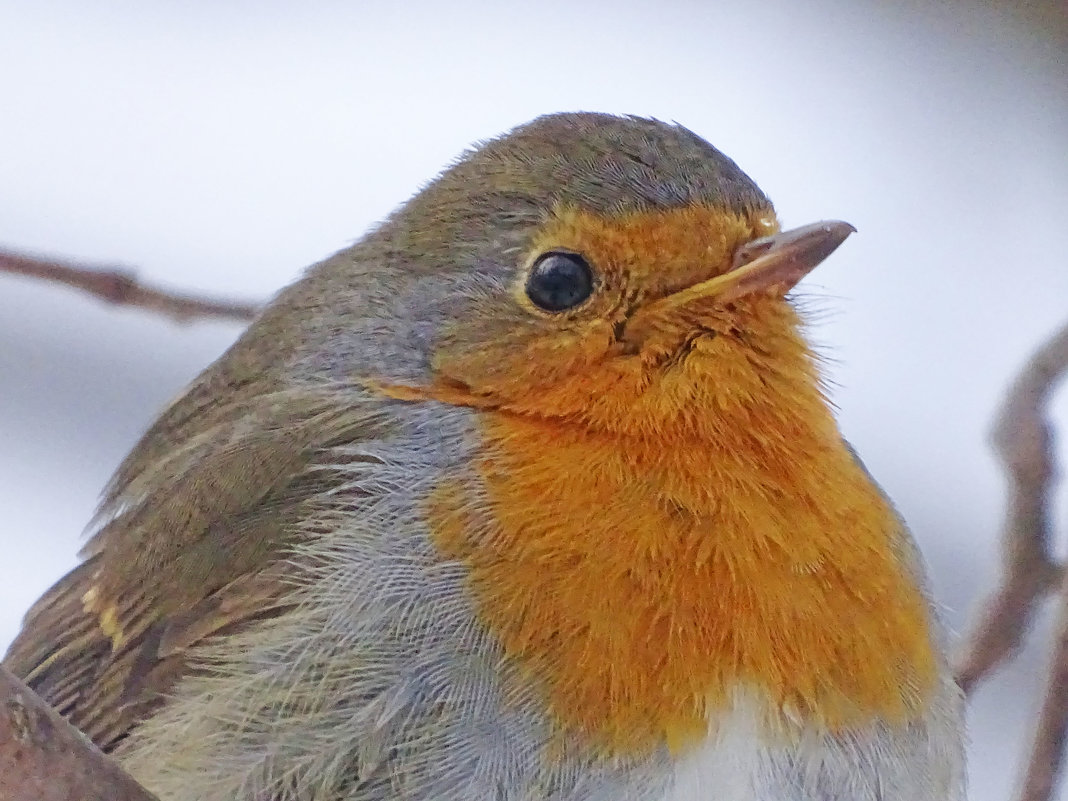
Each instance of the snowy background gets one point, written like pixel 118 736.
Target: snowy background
pixel 225 145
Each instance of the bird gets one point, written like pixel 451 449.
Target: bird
pixel 533 492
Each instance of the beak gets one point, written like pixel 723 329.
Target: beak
pixel 773 263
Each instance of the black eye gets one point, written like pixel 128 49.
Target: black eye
pixel 559 281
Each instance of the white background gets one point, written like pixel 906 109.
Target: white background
pixel 225 145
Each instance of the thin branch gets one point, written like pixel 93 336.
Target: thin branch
pixel 44 758
pixel 119 286
pixel 1023 440
pixel 1044 770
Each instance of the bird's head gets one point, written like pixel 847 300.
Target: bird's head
pixel 620 272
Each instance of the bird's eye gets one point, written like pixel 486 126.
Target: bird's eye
pixel 559 281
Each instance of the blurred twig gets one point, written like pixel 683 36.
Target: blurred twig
pixel 1023 439
pixel 1051 732
pixel 121 287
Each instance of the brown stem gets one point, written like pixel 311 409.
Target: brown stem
pixel 1044 770
pixel 1023 440
pixel 44 758
pixel 122 287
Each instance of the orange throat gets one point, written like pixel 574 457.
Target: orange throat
pixel 642 581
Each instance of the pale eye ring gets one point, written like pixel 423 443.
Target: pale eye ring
pixel 559 281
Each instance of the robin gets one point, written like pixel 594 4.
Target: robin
pixel 532 493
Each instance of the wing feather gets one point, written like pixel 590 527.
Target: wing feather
pixel 192 546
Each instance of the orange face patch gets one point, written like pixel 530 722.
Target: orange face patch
pixel 547 363
pixel 652 531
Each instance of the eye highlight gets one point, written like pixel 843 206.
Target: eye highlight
pixel 559 281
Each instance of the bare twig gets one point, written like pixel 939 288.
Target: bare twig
pixel 1023 440
pixel 1051 733
pixel 44 758
pixel 121 287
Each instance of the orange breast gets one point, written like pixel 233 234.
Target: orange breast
pixel 639 583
